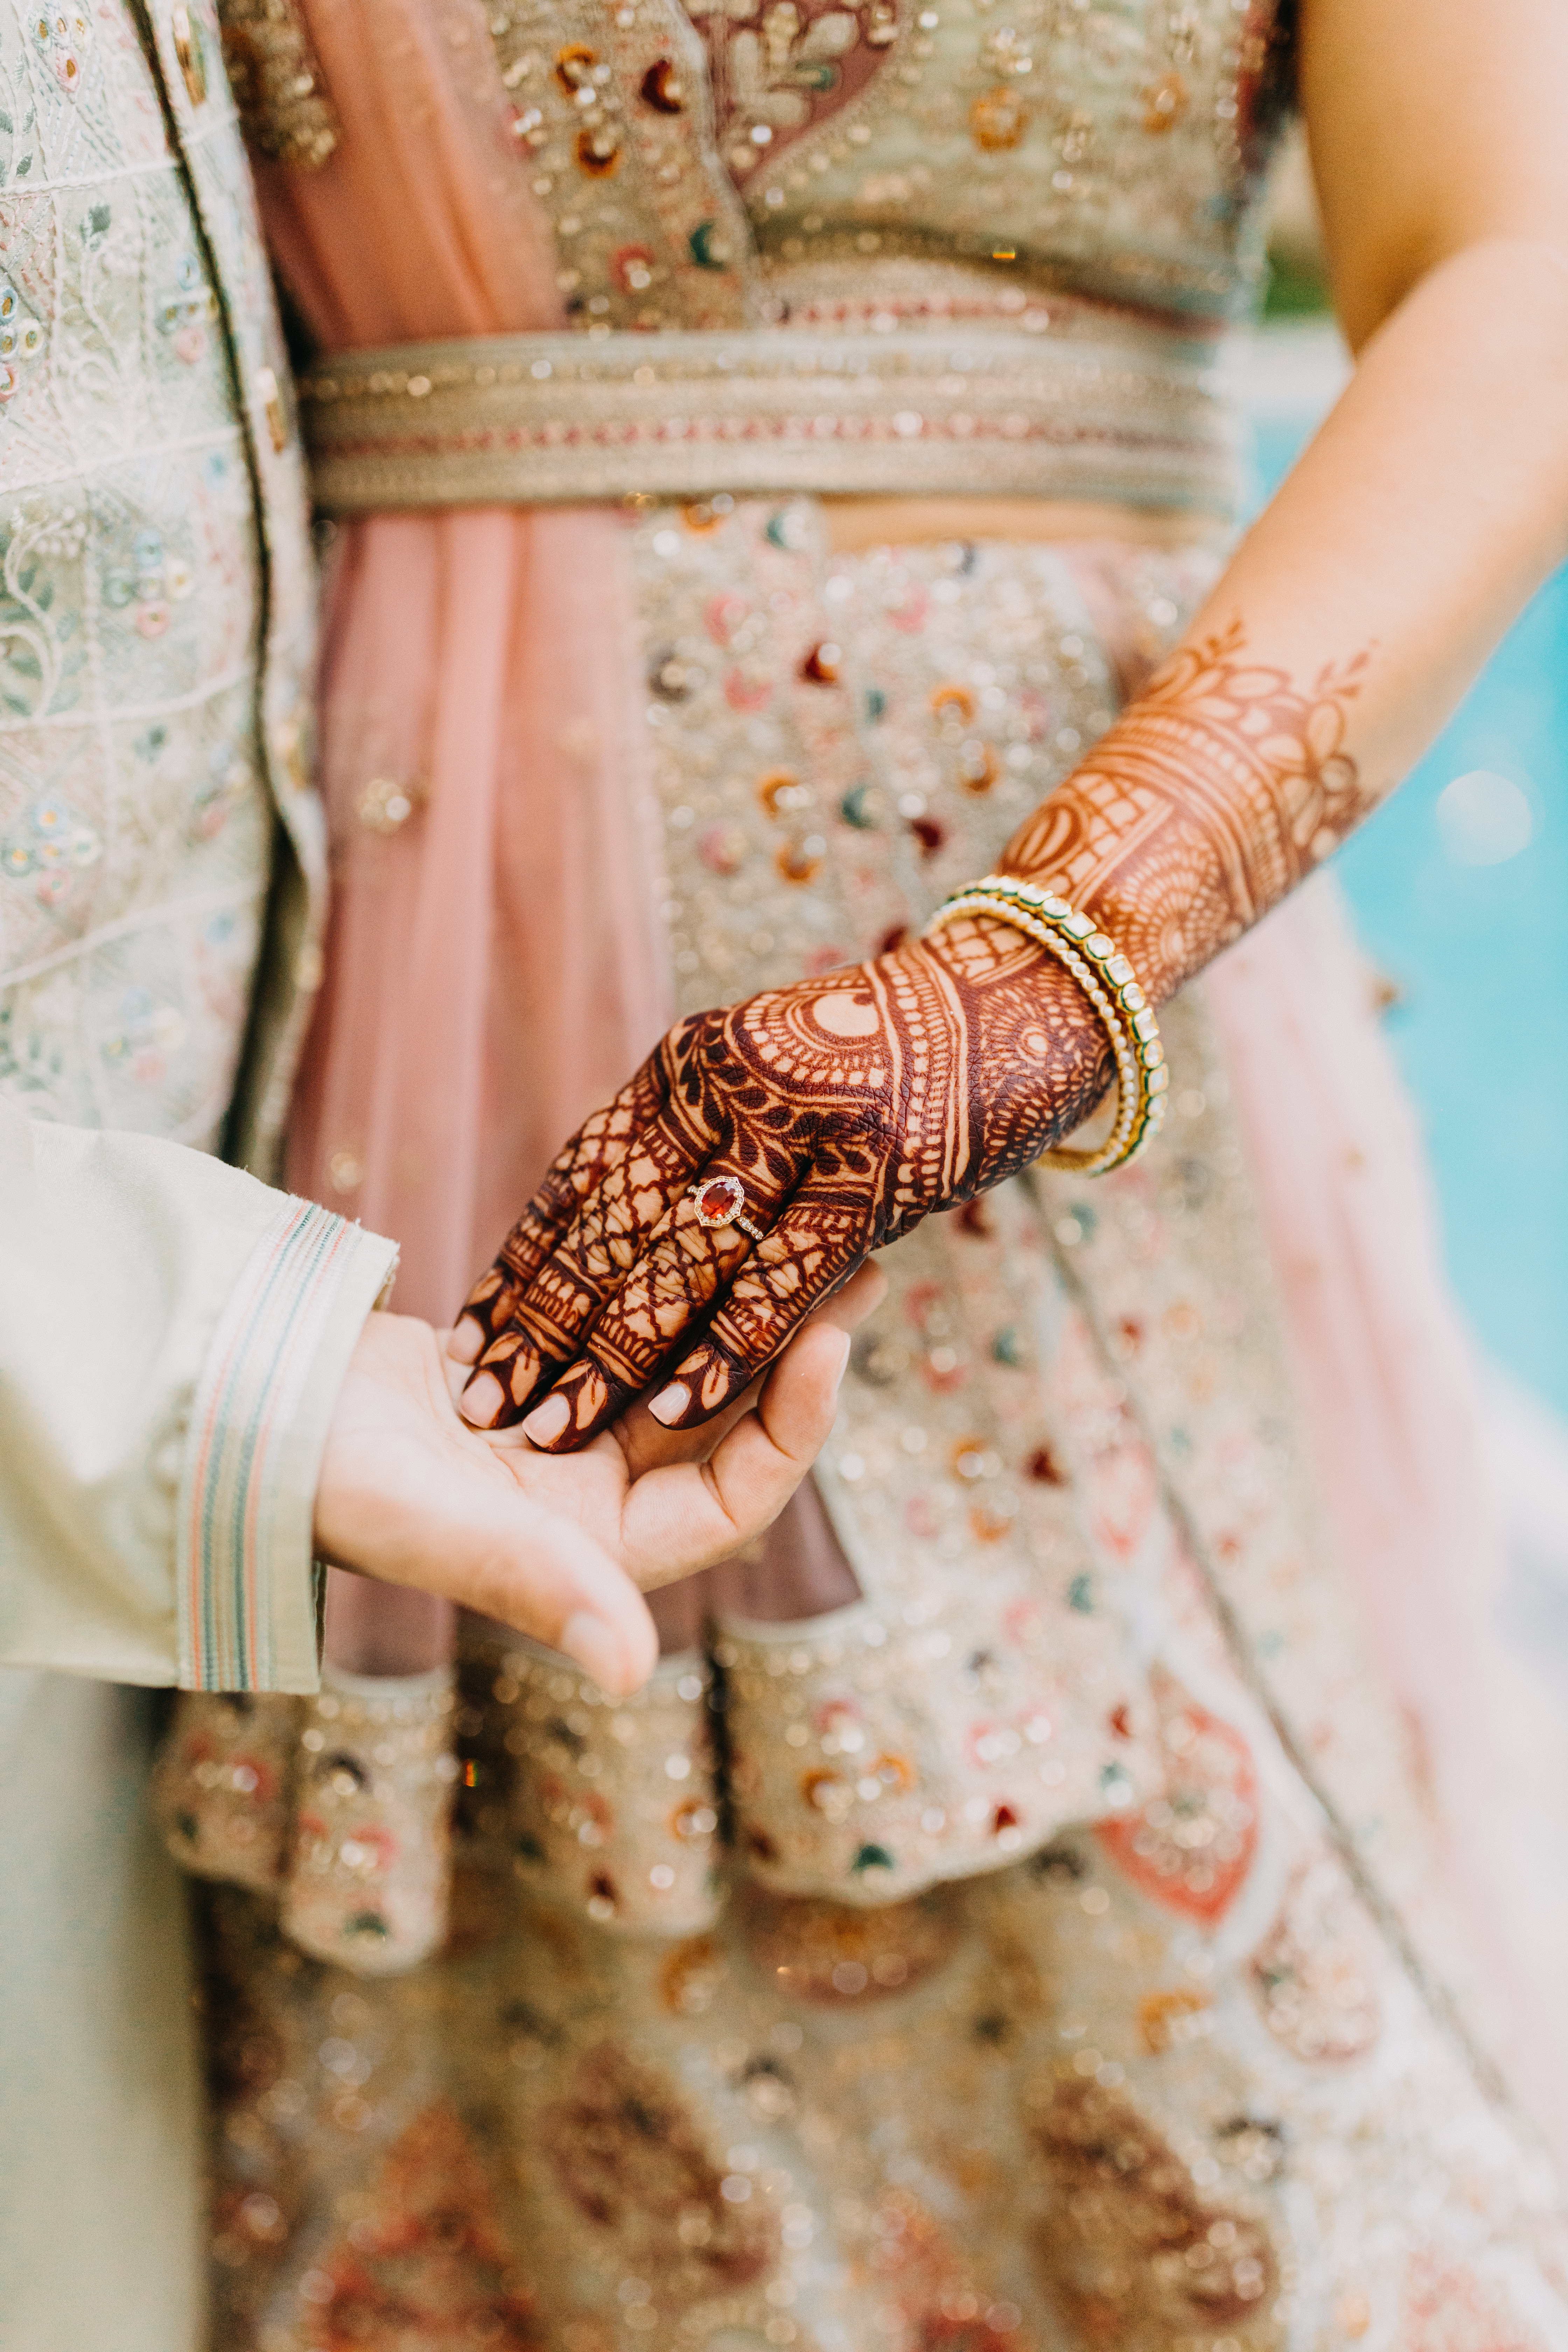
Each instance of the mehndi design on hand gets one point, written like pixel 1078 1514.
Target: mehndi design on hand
pixel 1214 794
pixel 849 1107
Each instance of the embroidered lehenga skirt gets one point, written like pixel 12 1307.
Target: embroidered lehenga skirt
pixel 1043 1950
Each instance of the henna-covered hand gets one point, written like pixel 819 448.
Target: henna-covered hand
pixel 847 1107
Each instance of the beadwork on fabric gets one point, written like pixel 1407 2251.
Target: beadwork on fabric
pixel 1046 1948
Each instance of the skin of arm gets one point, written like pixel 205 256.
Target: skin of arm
pixel 1430 506
pixel 1354 613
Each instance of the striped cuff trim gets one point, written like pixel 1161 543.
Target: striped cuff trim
pixel 232 1561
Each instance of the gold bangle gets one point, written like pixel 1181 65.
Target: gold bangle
pixel 1109 982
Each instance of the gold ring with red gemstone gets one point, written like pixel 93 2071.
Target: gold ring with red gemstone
pixel 720 1200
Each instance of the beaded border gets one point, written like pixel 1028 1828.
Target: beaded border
pixel 549 418
pixel 1113 988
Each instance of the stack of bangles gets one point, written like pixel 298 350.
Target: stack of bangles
pixel 1109 982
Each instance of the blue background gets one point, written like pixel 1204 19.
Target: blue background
pixel 1481 955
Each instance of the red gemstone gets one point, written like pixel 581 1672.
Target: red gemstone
pixel 720 1200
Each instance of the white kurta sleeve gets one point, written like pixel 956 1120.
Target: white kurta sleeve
pixel 173 1337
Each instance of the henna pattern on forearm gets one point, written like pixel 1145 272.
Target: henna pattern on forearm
pixel 1217 791
pixel 849 1107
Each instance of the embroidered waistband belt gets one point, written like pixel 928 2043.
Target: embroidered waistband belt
pixel 560 418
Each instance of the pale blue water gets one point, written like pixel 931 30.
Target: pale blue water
pixel 1481 954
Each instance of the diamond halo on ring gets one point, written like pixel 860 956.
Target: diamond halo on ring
pixel 720 1200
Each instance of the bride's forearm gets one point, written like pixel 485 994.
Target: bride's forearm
pixel 1354 616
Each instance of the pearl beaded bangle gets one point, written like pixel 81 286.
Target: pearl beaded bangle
pixel 1109 982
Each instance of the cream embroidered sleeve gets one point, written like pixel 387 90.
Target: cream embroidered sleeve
pixel 172 1336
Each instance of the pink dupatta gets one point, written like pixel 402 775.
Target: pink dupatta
pixel 494 968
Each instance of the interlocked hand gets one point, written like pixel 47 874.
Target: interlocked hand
pixel 562 1550
pixel 845 1109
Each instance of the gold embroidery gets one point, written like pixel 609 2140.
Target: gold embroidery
pixel 791 72
pixel 1130 413
pixel 276 82
pixel 601 94
pixel 191 51
pixel 271 399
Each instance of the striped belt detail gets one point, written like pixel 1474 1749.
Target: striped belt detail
pixel 1133 417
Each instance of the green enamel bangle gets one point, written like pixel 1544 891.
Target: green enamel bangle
pixel 1111 986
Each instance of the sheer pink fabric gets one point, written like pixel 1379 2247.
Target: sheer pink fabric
pixel 1388 1383
pixel 493 969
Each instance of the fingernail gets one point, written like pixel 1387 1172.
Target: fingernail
pixel 669 1403
pixel 463 1343
pixel 481 1400
pixel 595 1648
pixel 842 1366
pixel 548 1420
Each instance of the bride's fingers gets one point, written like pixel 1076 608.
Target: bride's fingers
pixel 548 1323
pixel 690 1515
pixel 657 1306
pixel 489 1312
pixel 571 1174
pixel 549 1326
pixel 498 1389
pixel 814 1248
pixel 594 1156
pixel 637 1202
pixel 645 1445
